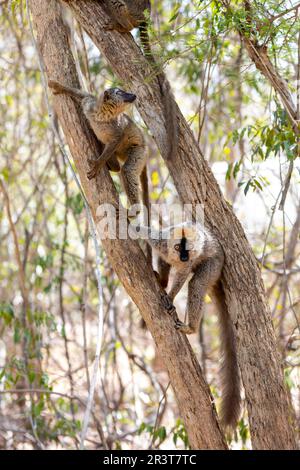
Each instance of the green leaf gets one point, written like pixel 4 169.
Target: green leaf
pixel 228 172
pixel 175 13
pixel 31 376
pixel 247 187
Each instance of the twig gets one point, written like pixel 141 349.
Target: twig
pixel 158 414
pixel 269 228
pixel 21 273
pixel 286 185
pixel 285 273
pixel 279 15
pixel 84 304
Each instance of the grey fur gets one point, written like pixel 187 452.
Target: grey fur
pixel 206 259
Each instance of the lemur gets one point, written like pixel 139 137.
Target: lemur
pixel 193 253
pixel 124 143
pixel 126 15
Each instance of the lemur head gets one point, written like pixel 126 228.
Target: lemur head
pixel 113 102
pixel 185 242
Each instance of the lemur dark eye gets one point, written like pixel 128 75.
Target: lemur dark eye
pixel 177 247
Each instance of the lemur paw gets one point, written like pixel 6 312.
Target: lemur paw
pixel 183 327
pixel 167 303
pixel 53 85
pixel 135 212
pixel 134 217
pixel 92 172
pixel 108 25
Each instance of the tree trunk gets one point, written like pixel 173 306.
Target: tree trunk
pixel 270 416
pixel 269 410
pixel 192 393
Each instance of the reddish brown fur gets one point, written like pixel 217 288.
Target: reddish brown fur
pixel 124 144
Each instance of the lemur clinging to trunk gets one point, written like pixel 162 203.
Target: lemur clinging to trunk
pixel 191 251
pixel 124 143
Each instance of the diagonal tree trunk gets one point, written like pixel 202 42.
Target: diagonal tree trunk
pixel 192 393
pixel 270 416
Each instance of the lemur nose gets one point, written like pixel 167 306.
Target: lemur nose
pixel 129 97
pixel 184 256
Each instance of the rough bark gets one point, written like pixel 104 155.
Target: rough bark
pixel 270 416
pixel 191 391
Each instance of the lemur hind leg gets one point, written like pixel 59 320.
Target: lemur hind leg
pixel 180 276
pixel 163 272
pixel 113 164
pixel 205 276
pixel 131 174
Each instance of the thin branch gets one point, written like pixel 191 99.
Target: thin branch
pixel 283 13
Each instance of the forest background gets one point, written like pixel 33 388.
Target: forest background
pixel 241 117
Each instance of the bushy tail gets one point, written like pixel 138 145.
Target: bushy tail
pixel 170 113
pixel 230 377
pixel 169 104
pixel 146 202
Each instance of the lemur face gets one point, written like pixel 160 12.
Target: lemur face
pixel 115 101
pixel 185 243
pixel 182 250
pixel 120 96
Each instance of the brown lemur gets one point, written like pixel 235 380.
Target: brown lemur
pixel 126 15
pixel 193 253
pixel 124 144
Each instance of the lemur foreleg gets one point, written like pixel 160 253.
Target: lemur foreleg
pixel 205 276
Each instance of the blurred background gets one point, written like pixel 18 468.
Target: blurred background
pixel 47 257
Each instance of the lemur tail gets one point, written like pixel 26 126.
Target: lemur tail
pixel 59 88
pixel 169 104
pixel 146 203
pixel 230 376
pixel 170 116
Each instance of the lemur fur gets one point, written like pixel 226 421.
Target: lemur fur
pixel 124 143
pixel 192 252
